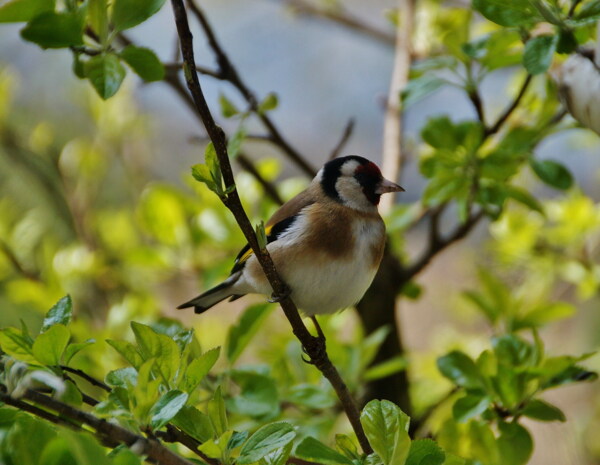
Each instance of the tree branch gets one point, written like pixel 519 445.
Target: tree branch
pixel 344 139
pixel 312 345
pixel 304 8
pixel 392 125
pixel 230 74
pixel 515 103
pixel 107 432
pixel 82 374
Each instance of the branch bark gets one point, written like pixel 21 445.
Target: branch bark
pixel 392 125
pixel 313 346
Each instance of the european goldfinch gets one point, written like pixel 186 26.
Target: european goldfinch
pixel 326 242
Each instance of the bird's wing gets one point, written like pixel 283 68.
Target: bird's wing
pixel 281 220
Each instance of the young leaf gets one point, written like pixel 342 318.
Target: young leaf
pixel 166 408
pixel 425 452
pixel 543 411
pixel 128 351
pixel 144 62
pixel 228 109
pixel 315 451
pixel 234 144
pixel 269 103
pixel 538 53
pixel 55 30
pixel 160 347
pixel 469 406
pixel 266 440
pixel 202 173
pixel 14 343
pixel 17 11
pixel 259 396
pixel 50 345
pixel 514 444
pixel 75 348
pixel 347 446
pixel 552 173
pixel 241 333
pixel 386 427
pixel 198 369
pixel 507 12
pixel 106 73
pixel 460 368
pixel 195 423
pixel 60 313
pixel 217 414
pixel 98 18
pixel 419 88
pixel 130 13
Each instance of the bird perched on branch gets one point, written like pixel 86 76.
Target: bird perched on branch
pixel 326 243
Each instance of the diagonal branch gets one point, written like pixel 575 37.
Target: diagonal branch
pixel 313 346
pixel 230 74
pixel 509 110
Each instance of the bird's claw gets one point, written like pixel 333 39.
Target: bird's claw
pixel 274 299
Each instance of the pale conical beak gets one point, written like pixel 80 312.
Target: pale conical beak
pixel 386 186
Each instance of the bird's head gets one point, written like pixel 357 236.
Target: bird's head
pixel 355 181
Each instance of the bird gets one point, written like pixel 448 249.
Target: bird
pixel 326 242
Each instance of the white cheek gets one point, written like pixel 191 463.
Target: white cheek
pixel 351 193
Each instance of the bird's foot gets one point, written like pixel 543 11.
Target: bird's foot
pixel 316 351
pixel 276 298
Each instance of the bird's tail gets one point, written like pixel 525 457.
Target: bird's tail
pixel 212 297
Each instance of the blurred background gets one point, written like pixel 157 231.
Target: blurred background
pixel 97 199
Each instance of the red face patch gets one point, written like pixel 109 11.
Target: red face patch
pixel 369 169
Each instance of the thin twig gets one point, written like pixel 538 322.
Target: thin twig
pixel 230 74
pixel 304 8
pixel 392 125
pixel 437 246
pixel 475 98
pixel 313 346
pixel 176 67
pixel 509 110
pixel 90 379
pixel 38 412
pixel 175 435
pixel 344 139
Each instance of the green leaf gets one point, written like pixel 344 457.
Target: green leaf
pixel 50 345
pixel 55 30
pixel 106 73
pixel 386 368
pixel 311 396
pixel 217 413
pixel 315 451
pixel 266 440
pixel 17 11
pixel 198 369
pixel 195 423
pixel 60 313
pixel 269 103
pixel 572 374
pixel 514 444
pixel 386 427
pixel 590 10
pixel 543 411
pixel 419 88
pixel 128 351
pixel 513 351
pixel 425 452
pixel 460 368
pixel 17 345
pixel 144 62
pixel 552 173
pixel 237 439
pixel 244 330
pixel 75 348
pixel 347 447
pixel 202 173
pixel 98 19
pixel 228 109
pixel 160 347
pixel 166 408
pixel 258 396
pixel 129 13
pixel 278 457
pixel 234 145
pixel 524 197
pixel 539 52
pixel 123 377
pixel 545 314
pixel 469 406
pixel 507 12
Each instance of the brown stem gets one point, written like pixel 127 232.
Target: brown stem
pixel 504 116
pixel 107 432
pixel 344 139
pixel 174 435
pixel 313 346
pixel 230 74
